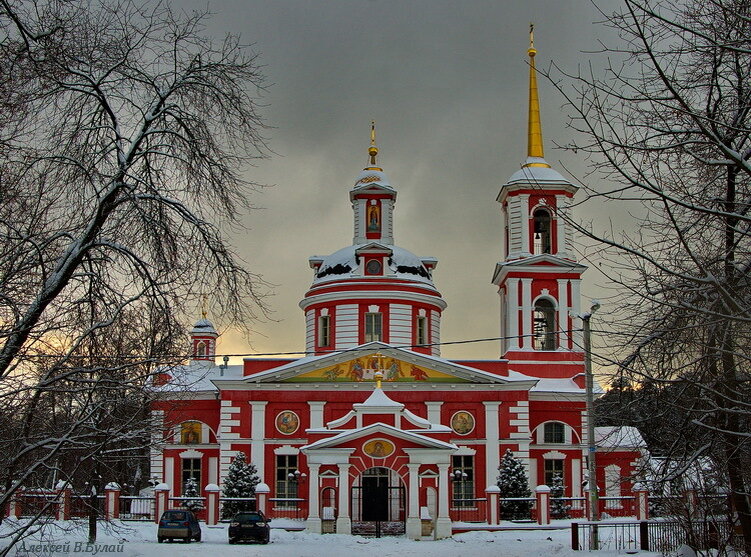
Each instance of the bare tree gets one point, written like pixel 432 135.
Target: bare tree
pixel 668 126
pixel 124 131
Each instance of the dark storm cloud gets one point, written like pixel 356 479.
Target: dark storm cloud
pixel 446 83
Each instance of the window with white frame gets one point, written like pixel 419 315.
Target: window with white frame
pixel 554 432
pixel 373 326
pixel 463 480
pixel 286 480
pixel 421 328
pixel 324 331
pixel 191 469
pixel 553 467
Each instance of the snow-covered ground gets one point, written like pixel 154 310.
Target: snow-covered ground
pixel 139 539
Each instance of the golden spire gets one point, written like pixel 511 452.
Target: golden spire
pixel 372 150
pixel 534 126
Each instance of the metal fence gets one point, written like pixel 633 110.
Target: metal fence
pixel 133 507
pixel 522 509
pixel 81 505
pixel 661 536
pixel 40 503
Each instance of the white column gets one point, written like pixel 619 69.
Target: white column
pixel 492 442
pixel 512 313
pixel 434 411
pixel 343 521
pixel 316 413
pixel 414 525
pixel 563 310
pixel 257 435
pixel 169 475
pixel 313 524
pixel 526 313
pixel 525 218
pixel 443 521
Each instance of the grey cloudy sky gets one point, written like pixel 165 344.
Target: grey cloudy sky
pixel 446 83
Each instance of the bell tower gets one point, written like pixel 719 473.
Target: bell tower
pixel 539 278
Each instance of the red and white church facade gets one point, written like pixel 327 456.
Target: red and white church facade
pixel 373 424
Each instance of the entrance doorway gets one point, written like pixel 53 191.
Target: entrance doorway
pixel 375 494
pixel 378 503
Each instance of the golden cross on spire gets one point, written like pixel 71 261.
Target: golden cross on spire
pixel 531 36
pixel 372 150
pixel 204 304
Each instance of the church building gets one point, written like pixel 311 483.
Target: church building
pixel 373 424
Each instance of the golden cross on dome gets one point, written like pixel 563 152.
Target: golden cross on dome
pixel 204 305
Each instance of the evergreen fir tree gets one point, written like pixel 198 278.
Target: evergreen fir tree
pixel 513 482
pixel 240 482
pixel 191 490
pixel 558 507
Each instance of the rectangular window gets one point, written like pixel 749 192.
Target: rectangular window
pixel 422 330
pixel 324 330
pixel 463 481
pixel 191 469
pixel 552 468
pixel 373 324
pixel 286 480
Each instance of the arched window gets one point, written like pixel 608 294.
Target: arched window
pixel 543 239
pixel 554 432
pixel 200 349
pixel 544 326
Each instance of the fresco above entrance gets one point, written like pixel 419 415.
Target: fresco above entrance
pixel 364 369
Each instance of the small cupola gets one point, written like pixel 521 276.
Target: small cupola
pixel 373 199
pixel 203 337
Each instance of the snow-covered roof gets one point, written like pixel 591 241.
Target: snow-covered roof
pixel 379 399
pixel 619 436
pixel 537 174
pixel 371 176
pixel 198 376
pixel 343 264
pixel 203 326
pixel 378 428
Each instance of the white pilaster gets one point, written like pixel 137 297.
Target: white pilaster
pixel 443 521
pixel 316 413
pixel 359 208
pixel 512 313
pixel 434 411
pixel 563 311
pixel 387 221
pixel 343 521
pixel 525 221
pixel 414 525
pixel 492 438
pixel 561 202
pixel 575 311
pixel 526 313
pixel 257 435
pixel 313 524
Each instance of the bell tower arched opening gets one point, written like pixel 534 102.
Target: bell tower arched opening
pixel 542 240
pixel 543 321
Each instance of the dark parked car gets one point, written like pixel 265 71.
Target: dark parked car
pixel 178 525
pixel 249 526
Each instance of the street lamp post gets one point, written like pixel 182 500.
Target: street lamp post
pixel 594 505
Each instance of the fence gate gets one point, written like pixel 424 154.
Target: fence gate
pixel 378 503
